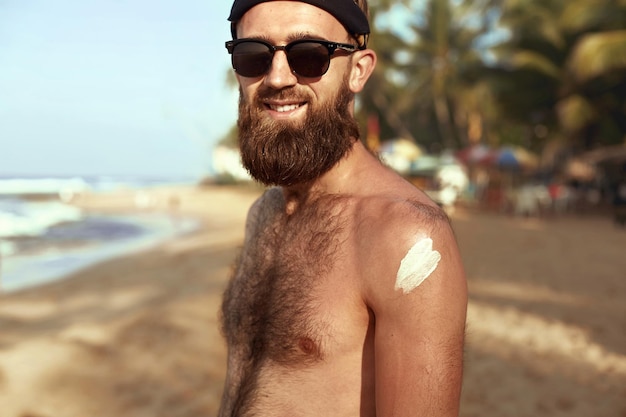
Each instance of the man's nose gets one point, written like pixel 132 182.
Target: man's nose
pixel 280 74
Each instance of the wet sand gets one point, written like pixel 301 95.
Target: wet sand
pixel 138 335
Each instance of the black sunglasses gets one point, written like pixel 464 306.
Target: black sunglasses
pixel 306 58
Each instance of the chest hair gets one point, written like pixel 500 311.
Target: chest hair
pixel 270 308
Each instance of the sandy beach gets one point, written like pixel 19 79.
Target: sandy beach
pixel 138 335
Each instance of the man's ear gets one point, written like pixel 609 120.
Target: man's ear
pixel 363 65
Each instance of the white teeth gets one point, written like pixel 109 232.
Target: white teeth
pixel 286 108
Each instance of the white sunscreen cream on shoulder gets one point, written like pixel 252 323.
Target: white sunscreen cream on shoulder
pixel 417 265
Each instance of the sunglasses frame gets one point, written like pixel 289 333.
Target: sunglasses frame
pixel 331 47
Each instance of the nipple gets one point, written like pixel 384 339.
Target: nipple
pixel 308 346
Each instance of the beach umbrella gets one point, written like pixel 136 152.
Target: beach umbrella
pixel 399 154
pixel 610 160
pixel 425 164
pixel 507 159
pixel 475 154
pixel 401 147
pixel 579 169
pixel 615 154
pixel 515 157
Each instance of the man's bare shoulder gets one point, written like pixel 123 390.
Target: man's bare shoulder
pixel 412 280
pixel 389 227
pixel 393 202
pixel 400 212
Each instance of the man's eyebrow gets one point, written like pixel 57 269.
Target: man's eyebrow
pixel 263 38
pixel 298 36
pixel 304 36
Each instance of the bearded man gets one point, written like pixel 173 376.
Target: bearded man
pixel 349 297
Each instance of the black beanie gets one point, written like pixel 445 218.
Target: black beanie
pixel 345 11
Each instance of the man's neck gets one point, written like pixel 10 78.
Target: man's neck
pixel 338 180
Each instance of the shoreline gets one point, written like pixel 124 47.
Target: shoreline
pixel 44 265
pixel 198 210
pixel 175 211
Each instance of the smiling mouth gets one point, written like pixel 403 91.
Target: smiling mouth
pixel 284 108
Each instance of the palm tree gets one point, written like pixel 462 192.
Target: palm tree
pixel 564 67
pixel 594 105
pixel 426 72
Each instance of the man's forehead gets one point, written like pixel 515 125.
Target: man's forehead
pixel 291 21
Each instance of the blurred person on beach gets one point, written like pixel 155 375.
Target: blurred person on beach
pixel 349 297
pixel 619 201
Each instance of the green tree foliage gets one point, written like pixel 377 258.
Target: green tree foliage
pixel 424 84
pixel 563 67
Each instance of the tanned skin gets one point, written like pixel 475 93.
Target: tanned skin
pixel 311 316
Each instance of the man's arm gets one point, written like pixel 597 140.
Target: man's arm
pixel 419 301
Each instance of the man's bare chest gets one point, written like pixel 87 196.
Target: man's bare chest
pixel 275 304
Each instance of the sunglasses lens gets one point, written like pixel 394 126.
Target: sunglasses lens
pixel 308 59
pixel 251 59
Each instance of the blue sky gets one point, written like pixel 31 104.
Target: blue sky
pixel 113 87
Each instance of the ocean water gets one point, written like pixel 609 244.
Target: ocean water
pixel 44 238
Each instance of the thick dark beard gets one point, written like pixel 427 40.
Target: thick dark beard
pixel 286 153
